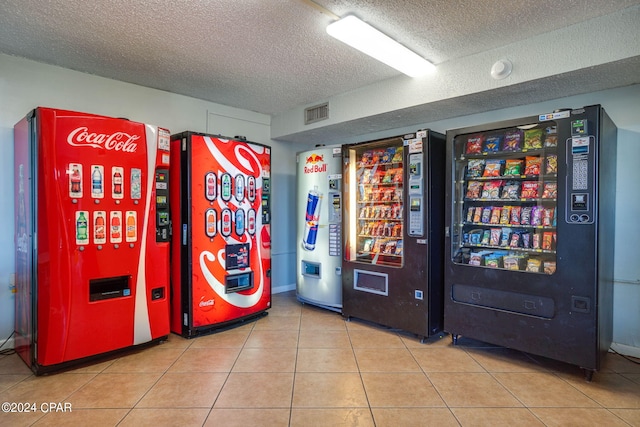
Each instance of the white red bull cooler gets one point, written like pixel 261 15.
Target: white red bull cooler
pixel 319 225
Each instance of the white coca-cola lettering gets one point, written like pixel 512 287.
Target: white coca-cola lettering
pixel 208 303
pixel 117 141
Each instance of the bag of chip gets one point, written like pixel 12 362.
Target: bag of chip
pixel 486 215
pixel 549 267
pixel 530 189
pixel 533 139
pixel 491 189
pixel 533 265
pixel 536 215
pixel 515 215
pixel 475 167
pixel 525 217
pixel 495 236
pixel 550 190
pixel 493 167
pixel 505 215
pixel 512 141
pixel 495 215
pixel 474 144
pixel 511 190
pixel 492 144
pixel 551 137
pixel 532 165
pixel 551 164
pixel 474 189
pixel 513 167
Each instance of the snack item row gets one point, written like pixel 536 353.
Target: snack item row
pixel 512 215
pixel 512 140
pixel 529 166
pixel 381 228
pixel 383 246
pixel 381 155
pixel 511 261
pixel 381 176
pixel 368 194
pixel 381 212
pixel 511 190
pixel 507 237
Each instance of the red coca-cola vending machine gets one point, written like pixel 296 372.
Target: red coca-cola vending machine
pixel 92 236
pixel 221 251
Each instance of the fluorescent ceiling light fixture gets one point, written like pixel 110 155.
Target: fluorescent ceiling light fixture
pixel 365 38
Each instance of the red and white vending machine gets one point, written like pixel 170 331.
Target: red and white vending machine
pixel 92 236
pixel 221 252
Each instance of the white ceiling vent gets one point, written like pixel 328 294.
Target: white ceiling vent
pixel 316 113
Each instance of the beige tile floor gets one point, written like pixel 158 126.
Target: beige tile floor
pixel 304 366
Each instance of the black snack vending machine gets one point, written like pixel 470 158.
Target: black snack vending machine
pixel 530 234
pixel 393 226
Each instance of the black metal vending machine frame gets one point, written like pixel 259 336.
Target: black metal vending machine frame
pixel 393 226
pixel 529 244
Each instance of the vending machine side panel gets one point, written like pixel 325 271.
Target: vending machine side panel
pixel 26 283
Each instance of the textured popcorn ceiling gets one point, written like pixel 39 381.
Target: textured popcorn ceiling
pixel 267 56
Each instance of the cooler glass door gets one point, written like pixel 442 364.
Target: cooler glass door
pixel 505 199
pixel 374 224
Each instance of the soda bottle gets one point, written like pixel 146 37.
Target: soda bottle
pixel 210 186
pixel 117 183
pixel 251 221
pixel 96 181
pixel 136 183
pixel 240 222
pixel 251 188
pixel 239 184
pixel 82 228
pixel 99 227
pixel 116 227
pixel 210 219
pixel 131 226
pixel 76 180
pixel 226 187
pixel 226 222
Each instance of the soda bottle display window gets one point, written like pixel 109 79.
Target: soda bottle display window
pixel 505 199
pixel 375 229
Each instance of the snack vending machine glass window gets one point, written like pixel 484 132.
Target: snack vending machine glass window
pixel 530 216
pixel 393 232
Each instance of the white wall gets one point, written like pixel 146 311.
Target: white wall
pixel 25 85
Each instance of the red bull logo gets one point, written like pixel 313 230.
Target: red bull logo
pixel 315 164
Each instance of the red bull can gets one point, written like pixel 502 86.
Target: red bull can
pixel 312 216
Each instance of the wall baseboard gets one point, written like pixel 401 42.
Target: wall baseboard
pixel 626 350
pixel 283 288
pixel 7 344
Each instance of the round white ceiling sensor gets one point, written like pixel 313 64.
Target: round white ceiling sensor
pixel 501 69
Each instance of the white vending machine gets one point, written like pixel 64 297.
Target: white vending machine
pixel 319 225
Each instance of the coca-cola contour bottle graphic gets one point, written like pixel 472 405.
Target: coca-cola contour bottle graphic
pixel 117 180
pixel 210 186
pixel 75 180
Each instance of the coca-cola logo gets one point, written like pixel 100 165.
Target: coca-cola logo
pixel 208 303
pixel 117 141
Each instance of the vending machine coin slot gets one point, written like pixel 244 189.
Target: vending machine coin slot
pixel 162 205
